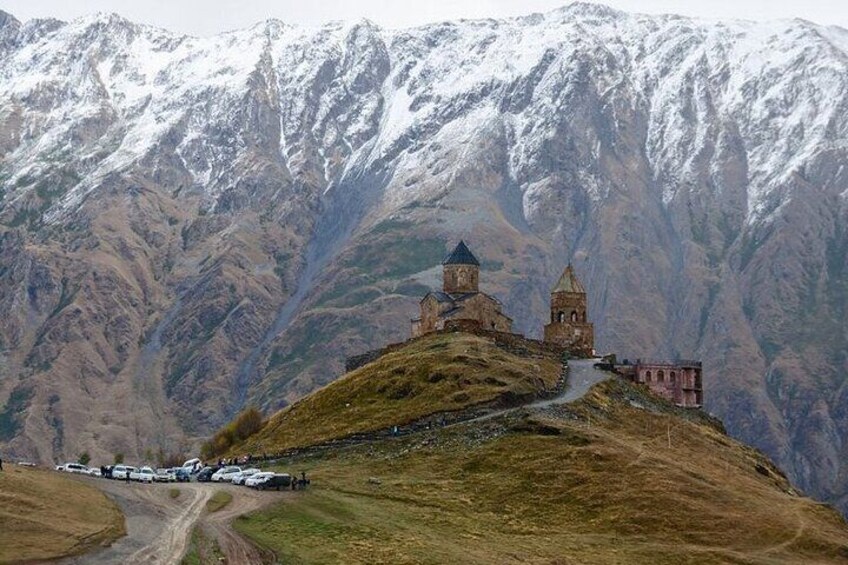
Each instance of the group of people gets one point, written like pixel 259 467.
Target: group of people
pixel 302 483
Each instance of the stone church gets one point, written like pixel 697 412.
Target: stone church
pixel 460 304
pixel 570 326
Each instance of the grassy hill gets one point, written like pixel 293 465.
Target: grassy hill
pixel 437 373
pixel 617 477
pixel 45 515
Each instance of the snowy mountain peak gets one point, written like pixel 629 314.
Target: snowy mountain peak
pixel 357 96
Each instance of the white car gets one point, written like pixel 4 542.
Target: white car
pixel 60 467
pixel 76 468
pixel 192 466
pixel 165 476
pixel 144 475
pixel 95 472
pixel 257 479
pixel 240 478
pixel 122 471
pixel 225 474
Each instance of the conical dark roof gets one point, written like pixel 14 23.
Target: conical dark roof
pixel 568 282
pixel 461 255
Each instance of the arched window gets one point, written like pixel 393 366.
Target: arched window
pixel 647 376
pixel 672 377
pixel 573 316
pixel 660 377
pixel 562 317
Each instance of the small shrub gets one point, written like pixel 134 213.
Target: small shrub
pixel 84 458
pixel 248 422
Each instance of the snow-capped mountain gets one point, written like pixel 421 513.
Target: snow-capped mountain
pixel 192 224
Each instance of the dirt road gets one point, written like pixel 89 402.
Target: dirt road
pixel 159 526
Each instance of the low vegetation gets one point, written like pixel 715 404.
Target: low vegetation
pixel 248 422
pixel 218 501
pixel 45 515
pixel 202 549
pixel 438 373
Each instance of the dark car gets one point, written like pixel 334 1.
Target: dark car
pixel 205 474
pixel 283 480
pixel 183 475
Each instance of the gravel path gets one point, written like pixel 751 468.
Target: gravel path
pixel 582 375
pixel 159 527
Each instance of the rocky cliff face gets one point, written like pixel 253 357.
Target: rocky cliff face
pixel 189 225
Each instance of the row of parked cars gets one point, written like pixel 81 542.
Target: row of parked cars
pixel 144 474
pixel 251 477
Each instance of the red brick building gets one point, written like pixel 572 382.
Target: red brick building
pixel 679 382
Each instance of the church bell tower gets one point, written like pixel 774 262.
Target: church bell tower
pixel 569 325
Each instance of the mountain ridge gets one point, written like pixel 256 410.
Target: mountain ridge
pixel 190 224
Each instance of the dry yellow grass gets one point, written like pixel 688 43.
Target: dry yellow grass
pixel 435 374
pixel 603 482
pixel 45 515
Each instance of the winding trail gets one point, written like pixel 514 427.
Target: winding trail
pixel 159 527
pixel 582 376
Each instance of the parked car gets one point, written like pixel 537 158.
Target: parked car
pixel 193 466
pixel 121 472
pixel 205 474
pixel 255 480
pixel 95 472
pixel 283 480
pixel 144 475
pixel 60 467
pixel 107 471
pixel 165 476
pixel 182 475
pixel 240 478
pixel 76 468
pixel 225 474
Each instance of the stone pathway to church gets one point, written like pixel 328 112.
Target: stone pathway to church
pixel 582 375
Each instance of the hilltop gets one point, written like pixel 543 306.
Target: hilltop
pixel 436 374
pixel 619 476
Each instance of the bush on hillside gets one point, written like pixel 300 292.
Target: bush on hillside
pixel 248 422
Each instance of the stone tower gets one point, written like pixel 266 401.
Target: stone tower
pixel 461 271
pixel 569 324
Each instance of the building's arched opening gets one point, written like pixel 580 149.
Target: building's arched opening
pixel 584 317
pixel 562 317
pixel 647 376
pixel 573 316
pixel 673 377
pixel 660 377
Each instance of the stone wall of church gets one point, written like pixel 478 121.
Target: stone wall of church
pixel 486 311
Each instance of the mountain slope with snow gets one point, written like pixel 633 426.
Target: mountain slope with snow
pixel 188 225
